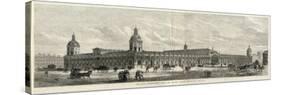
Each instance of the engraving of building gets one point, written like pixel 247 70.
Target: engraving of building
pixel 137 57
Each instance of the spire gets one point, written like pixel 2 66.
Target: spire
pixel 135 31
pixel 185 46
pixel 73 36
pixel 249 51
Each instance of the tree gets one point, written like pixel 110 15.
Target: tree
pixel 130 67
pixel 52 66
pixel 187 68
pixel 256 62
pixel 231 67
pixel 166 66
pixel 115 69
pixel 103 68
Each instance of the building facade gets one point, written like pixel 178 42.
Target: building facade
pixel 137 57
pixel 43 60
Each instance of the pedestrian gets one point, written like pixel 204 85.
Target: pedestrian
pixel 46 73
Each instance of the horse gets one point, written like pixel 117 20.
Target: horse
pixel 243 67
pixel 258 67
pixel 155 68
pixel 139 75
pixel 147 68
pixel 124 75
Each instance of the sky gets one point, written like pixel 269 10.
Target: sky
pixel 111 28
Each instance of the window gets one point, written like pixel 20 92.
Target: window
pixel 139 62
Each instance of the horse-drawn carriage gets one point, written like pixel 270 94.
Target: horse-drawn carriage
pixel 125 75
pixel 139 75
pixel 77 74
pixel 248 69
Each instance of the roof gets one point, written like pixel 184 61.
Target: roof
pixel 136 36
pixel 202 51
pixel 231 55
pixel 73 43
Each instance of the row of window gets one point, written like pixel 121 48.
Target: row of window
pixel 139 55
pixel 114 63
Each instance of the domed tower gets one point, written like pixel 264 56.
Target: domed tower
pixel 249 51
pixel 135 42
pixel 73 46
pixel 185 46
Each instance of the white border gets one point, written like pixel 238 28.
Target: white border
pixel 95 87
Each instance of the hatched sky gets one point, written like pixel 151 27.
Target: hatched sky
pixel 112 28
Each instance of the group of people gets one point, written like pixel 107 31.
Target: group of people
pixel 125 75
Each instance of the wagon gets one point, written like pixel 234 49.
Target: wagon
pixel 124 75
pixel 75 74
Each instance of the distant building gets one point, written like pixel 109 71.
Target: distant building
pixel 43 60
pixel 137 57
pixel 265 57
pixel 257 57
pixel 226 59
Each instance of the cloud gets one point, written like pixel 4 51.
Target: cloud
pixel 112 28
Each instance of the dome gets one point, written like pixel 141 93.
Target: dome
pixel 249 49
pixel 135 36
pixel 73 43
